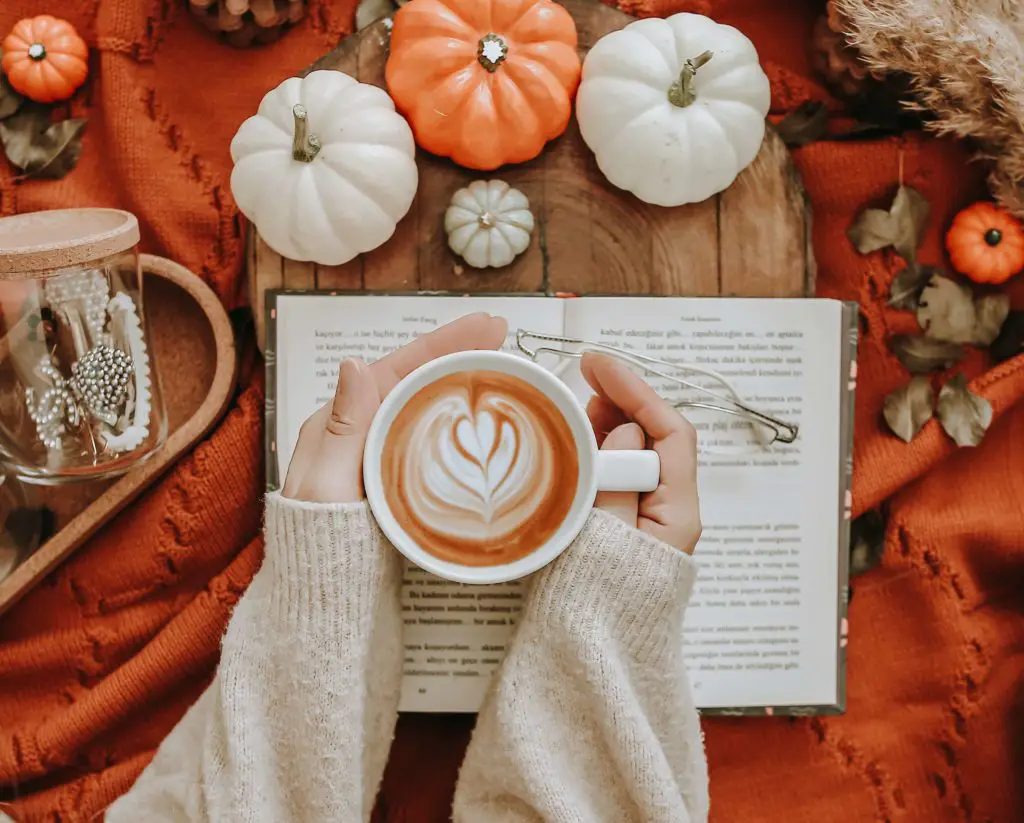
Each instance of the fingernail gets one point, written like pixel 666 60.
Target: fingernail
pixel 347 373
pixel 625 437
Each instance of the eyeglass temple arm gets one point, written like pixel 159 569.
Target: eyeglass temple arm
pixel 784 432
pixel 522 335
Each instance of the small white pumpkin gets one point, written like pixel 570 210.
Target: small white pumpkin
pixel 488 223
pixel 325 169
pixel 673 109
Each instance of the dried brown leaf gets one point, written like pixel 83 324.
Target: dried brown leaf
pixel 39 148
pixel 901 227
pixel 920 355
pixel 907 286
pixel 872 230
pixel 945 311
pixel 909 407
pixel 964 415
pixel 805 124
pixel 910 213
pixel 991 311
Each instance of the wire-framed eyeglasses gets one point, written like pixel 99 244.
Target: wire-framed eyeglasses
pixel 725 422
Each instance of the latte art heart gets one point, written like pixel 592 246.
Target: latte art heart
pixel 480 464
pixel 478 478
pixel 480 467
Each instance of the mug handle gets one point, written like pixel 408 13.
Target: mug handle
pixel 628 470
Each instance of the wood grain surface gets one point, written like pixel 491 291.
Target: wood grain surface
pixel 590 238
pixel 187 324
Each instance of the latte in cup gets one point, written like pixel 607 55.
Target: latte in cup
pixel 479 468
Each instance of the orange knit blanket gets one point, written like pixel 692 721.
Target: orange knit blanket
pixel 99 662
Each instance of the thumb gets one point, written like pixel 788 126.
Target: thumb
pixel 351 412
pixel 623 505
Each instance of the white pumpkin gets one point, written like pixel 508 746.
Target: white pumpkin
pixel 673 109
pixel 325 169
pixel 488 223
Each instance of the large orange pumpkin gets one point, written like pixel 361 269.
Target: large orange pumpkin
pixel 986 243
pixel 45 59
pixel 484 82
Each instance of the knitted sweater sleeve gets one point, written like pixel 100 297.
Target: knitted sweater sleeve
pixel 298 720
pixel 592 717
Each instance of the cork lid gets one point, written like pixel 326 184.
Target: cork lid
pixel 38 242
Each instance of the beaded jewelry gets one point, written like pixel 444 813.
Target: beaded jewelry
pixel 124 321
pixel 55 409
pixel 109 387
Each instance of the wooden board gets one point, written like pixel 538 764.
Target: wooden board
pixel 751 240
pixel 193 346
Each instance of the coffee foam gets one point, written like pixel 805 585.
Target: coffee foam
pixel 480 468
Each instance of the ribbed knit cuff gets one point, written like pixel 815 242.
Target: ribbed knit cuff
pixel 328 562
pixel 621 581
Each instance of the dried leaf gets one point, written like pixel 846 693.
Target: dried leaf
pixel 964 415
pixel 39 148
pixel 945 311
pixel 910 213
pixel 10 100
pixel 991 311
pixel 901 227
pixel 906 287
pixel 909 407
pixel 805 124
pixel 920 355
pixel 1010 342
pixel 873 230
pixel 369 11
pixel 867 541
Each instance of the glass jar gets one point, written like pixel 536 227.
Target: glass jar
pixel 79 394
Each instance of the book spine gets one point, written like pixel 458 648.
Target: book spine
pixel 851 315
pixel 270 403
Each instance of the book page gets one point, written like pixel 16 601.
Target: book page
pixel 454 634
pixel 762 627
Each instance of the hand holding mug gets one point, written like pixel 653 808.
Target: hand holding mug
pixel 626 412
pixel 340 448
pixel 326 466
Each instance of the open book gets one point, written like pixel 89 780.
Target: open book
pixel 765 629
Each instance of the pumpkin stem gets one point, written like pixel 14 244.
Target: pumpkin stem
pixel 305 146
pixel 491 52
pixel 681 93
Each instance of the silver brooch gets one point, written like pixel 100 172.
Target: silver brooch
pixel 100 379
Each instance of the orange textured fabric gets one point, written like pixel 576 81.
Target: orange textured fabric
pixel 99 662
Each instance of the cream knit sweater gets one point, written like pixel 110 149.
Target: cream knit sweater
pixel 591 719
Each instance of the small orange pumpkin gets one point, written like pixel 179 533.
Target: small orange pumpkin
pixel 986 243
pixel 484 82
pixel 45 59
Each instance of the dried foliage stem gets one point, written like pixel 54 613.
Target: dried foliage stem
pixel 965 61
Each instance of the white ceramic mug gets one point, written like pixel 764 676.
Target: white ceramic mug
pixel 636 470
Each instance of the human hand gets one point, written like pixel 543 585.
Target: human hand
pixel 627 413
pixel 326 466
